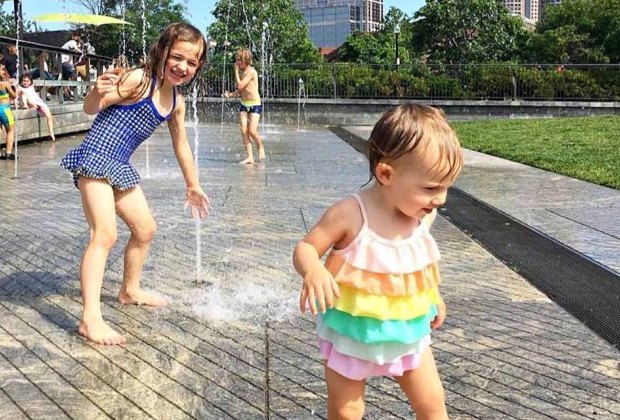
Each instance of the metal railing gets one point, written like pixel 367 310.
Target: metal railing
pixel 35 57
pixel 503 82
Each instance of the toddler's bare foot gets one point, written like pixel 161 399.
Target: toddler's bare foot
pixel 261 154
pixel 141 298
pixel 99 332
pixel 247 161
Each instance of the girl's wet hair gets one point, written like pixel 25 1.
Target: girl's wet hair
pixel 411 128
pixel 158 54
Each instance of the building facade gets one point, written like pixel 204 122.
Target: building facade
pixel 331 21
pixel 530 10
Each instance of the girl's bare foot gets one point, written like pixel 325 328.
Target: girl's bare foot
pixel 247 161
pixel 99 332
pixel 261 154
pixel 141 298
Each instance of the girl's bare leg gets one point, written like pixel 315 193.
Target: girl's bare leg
pixel 253 134
pixel 345 397
pixel 424 390
pixel 132 207
pixel 243 125
pixel 98 204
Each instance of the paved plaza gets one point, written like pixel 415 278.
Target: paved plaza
pixel 231 343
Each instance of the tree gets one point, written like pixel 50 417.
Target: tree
pixel 108 39
pixel 578 31
pixel 467 31
pixel 379 47
pixel 276 25
pixel 7 23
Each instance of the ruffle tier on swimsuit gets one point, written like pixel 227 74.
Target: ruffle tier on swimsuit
pixel 380 326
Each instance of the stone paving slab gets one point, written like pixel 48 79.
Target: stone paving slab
pixel 231 344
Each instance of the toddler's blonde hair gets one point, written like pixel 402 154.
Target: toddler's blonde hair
pixel 411 128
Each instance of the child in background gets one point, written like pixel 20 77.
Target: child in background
pixel 377 293
pixel 7 94
pixel 129 107
pixel 31 99
pixel 250 109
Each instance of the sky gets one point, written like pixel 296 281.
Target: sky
pixel 200 10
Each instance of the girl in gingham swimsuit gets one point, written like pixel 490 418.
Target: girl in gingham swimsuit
pixel 129 107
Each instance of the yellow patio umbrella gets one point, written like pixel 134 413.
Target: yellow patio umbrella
pixel 80 18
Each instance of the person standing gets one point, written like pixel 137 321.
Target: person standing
pixel 250 109
pixel 68 68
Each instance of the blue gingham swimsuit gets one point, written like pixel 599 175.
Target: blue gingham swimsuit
pixel 115 134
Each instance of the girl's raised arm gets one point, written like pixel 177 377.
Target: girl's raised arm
pixel 112 88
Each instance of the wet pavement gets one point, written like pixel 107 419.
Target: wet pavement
pixel 232 344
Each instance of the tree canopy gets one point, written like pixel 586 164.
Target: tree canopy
pixel 578 31
pixel 108 39
pixel 380 47
pixel 276 25
pixel 7 23
pixel 467 31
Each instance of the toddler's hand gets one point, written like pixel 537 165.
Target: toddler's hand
pixel 198 202
pixel 319 286
pixel 226 94
pixel 441 315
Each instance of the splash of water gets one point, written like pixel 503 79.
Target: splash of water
pixel 250 302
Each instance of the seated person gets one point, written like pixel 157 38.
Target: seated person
pixel 31 99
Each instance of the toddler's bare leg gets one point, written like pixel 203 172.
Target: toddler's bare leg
pixel 424 390
pixel 98 203
pixel 345 397
pixel 50 124
pixel 132 207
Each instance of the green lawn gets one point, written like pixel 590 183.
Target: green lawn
pixel 586 148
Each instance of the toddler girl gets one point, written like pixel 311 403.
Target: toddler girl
pixel 377 293
pixel 31 99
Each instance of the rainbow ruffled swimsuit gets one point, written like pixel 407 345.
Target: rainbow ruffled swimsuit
pixel 381 324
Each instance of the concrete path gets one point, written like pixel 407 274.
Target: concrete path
pixel 232 344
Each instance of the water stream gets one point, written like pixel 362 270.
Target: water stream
pixel 144 27
pixel 18 34
pixel 302 96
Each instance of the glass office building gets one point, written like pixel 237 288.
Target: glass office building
pixel 331 21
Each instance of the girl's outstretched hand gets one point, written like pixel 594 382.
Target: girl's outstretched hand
pixel 198 202
pixel 319 287
pixel 441 315
pixel 107 81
